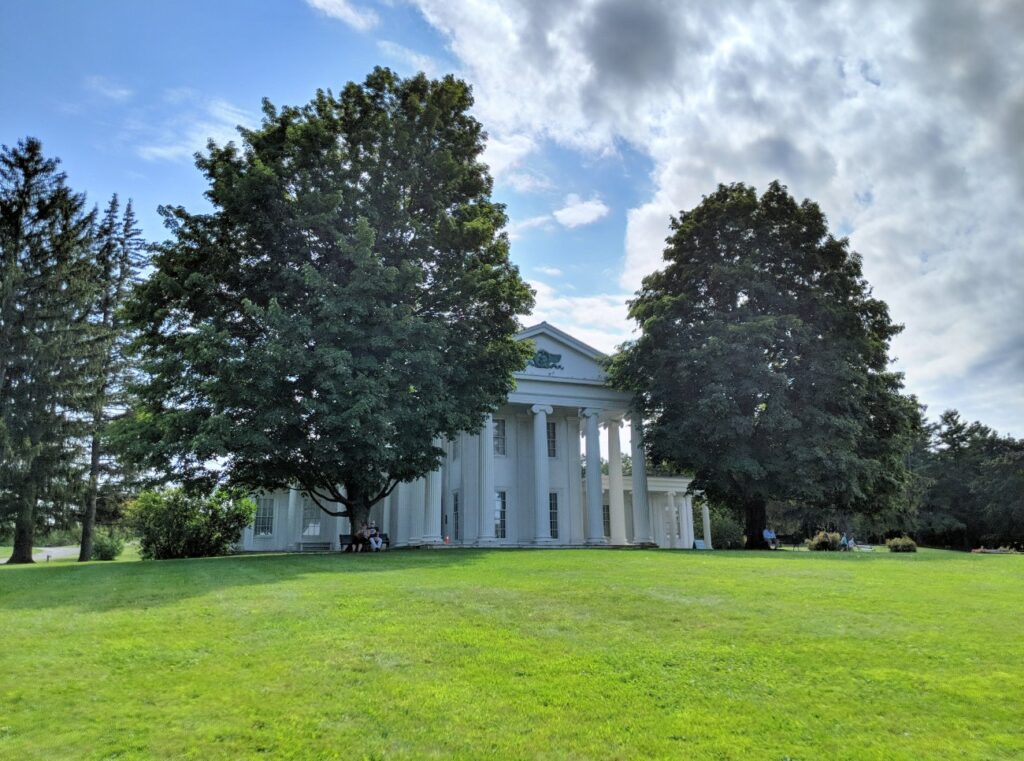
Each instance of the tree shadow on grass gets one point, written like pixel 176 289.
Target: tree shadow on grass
pixel 98 587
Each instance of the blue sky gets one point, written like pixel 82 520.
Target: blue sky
pixel 902 120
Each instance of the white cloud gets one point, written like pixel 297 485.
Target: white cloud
pixel 108 88
pixel 195 121
pixel 503 154
pixel 359 18
pixel 599 320
pixel 901 120
pixel 516 229
pixel 578 212
pixel 550 271
pixel 410 59
pixel 527 182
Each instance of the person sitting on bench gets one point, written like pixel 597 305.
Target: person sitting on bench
pixel 376 541
pixel 770 538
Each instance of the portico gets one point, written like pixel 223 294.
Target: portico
pixel 520 480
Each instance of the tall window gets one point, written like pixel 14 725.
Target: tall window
pixel 499 436
pixel 606 516
pixel 552 440
pixel 264 523
pixel 310 518
pixel 500 504
pixel 455 516
pixel 553 513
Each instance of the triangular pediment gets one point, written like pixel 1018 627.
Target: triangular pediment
pixel 561 356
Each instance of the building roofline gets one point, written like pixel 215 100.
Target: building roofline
pixel 547 327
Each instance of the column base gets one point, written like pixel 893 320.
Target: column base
pixel 435 539
pixel 545 542
pixel 487 542
pixel 597 542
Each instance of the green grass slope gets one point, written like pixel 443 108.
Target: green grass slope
pixel 517 654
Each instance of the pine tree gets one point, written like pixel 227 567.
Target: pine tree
pixel 47 287
pixel 118 257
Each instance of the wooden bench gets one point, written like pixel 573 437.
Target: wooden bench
pixel 314 546
pixel 347 541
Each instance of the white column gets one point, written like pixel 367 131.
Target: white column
pixel 705 514
pixel 541 474
pixel 432 510
pixel 485 533
pixel 672 524
pixel 641 506
pixel 616 501
pixel 688 533
pixel 595 521
pixel 294 503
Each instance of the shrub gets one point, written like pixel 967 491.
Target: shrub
pixel 173 524
pixel 901 544
pixel 60 537
pixel 824 541
pixel 726 531
pixel 107 546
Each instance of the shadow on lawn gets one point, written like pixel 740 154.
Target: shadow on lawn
pixel 155 583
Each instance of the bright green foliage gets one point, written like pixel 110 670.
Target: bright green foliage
pixel 107 545
pixel 824 541
pixel 973 486
pixel 47 343
pixel 348 302
pixel 901 544
pixel 726 531
pixel 517 655
pixel 175 524
pixel 762 362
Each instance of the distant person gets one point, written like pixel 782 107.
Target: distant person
pixel 770 538
pixel 362 538
pixel 376 540
pixel 844 543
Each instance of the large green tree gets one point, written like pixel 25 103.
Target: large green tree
pixel 47 291
pixel 348 302
pixel 762 360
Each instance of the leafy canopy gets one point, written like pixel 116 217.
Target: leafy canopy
pixel 762 360
pixel 348 302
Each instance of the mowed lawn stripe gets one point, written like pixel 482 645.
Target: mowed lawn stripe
pixel 557 654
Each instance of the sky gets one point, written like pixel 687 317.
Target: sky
pixel 903 120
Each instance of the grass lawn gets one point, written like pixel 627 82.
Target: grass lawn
pixel 512 654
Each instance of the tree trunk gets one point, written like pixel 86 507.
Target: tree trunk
pixel 24 528
pixel 756 521
pixel 89 519
pixel 358 509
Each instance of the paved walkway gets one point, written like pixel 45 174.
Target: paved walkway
pixel 39 553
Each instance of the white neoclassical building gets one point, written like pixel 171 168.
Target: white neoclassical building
pixel 518 482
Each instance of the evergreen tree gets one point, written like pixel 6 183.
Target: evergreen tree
pixel 47 285
pixel 118 257
pixel 975 486
pixel 762 361
pixel 348 302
